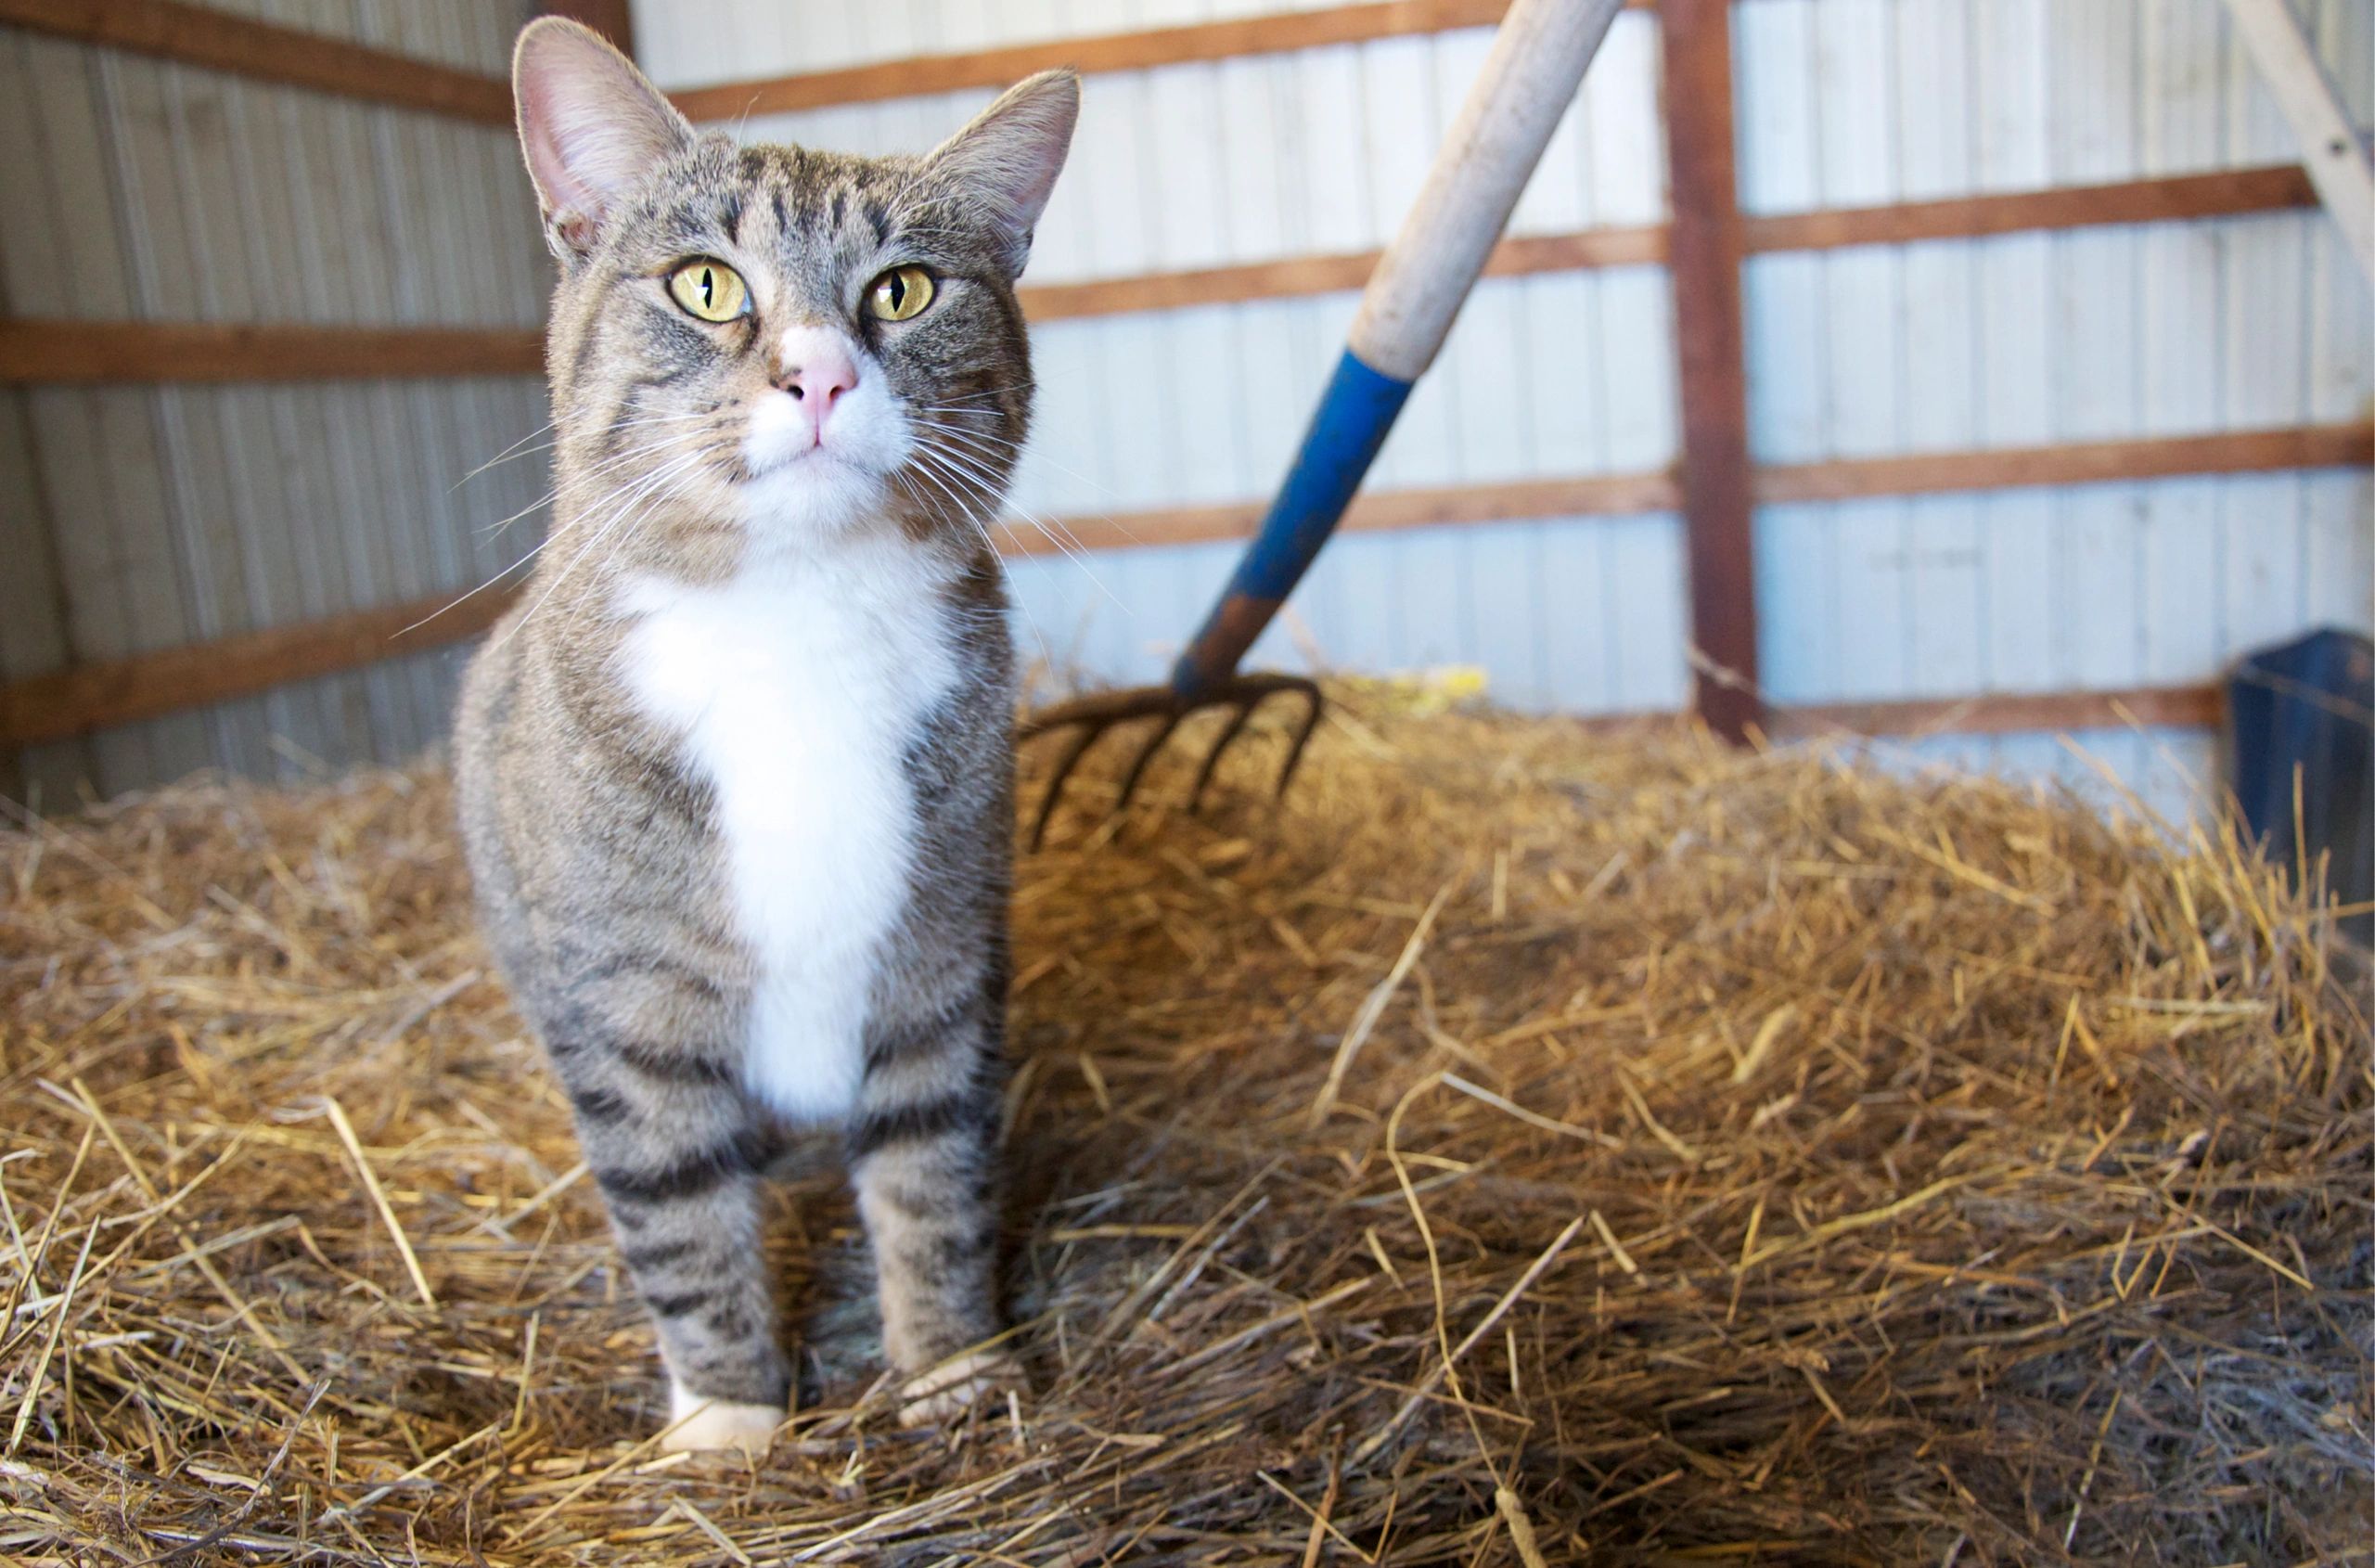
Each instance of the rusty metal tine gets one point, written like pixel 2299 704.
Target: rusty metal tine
pixel 1100 708
pixel 1095 715
pixel 1145 754
pixel 1303 738
pixel 1089 730
pixel 1212 758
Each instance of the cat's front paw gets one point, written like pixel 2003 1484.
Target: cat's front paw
pixel 942 1392
pixel 701 1425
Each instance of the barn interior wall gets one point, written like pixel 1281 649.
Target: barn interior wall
pixel 2172 328
pixel 150 517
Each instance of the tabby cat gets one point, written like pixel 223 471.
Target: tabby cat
pixel 736 778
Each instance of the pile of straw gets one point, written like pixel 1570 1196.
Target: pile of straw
pixel 1524 1145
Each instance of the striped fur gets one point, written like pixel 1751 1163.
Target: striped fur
pixel 607 794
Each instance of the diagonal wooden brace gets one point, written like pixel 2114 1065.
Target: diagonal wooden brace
pixel 2330 149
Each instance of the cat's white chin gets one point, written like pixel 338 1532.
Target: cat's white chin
pixel 816 495
pixel 803 485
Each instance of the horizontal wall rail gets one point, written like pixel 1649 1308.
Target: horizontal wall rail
pixel 79 351
pixel 2232 193
pixel 1229 39
pixel 81 699
pixel 201 35
pixel 2094 462
pixel 78 700
pixel 1990 713
pixel 2172 197
pixel 2175 707
pixel 75 352
pixel 1376 511
pixel 1339 273
pixel 1929 473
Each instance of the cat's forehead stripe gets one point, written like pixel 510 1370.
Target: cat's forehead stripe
pixel 690 224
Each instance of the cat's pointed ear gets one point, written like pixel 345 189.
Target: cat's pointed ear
pixel 1005 163
pixel 590 125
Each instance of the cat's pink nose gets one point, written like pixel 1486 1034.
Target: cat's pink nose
pixel 816 369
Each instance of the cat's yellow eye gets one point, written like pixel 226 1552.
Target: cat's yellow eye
pixel 900 294
pixel 711 290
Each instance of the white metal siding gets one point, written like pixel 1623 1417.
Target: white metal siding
pixel 693 42
pixel 137 188
pixel 2156 329
pixel 1319 150
pixel 148 517
pixel 2172 328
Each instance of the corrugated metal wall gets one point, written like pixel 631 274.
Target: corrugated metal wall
pixel 2165 329
pixel 136 519
pixel 1319 150
pixel 2175 329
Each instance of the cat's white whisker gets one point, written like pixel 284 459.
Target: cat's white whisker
pixel 513 452
pixel 644 491
pixel 1064 540
pixel 541 544
pixel 508 453
pixel 616 460
pixel 975 440
pixel 969 401
pixel 989 541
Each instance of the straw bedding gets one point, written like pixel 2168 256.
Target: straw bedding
pixel 1528 1145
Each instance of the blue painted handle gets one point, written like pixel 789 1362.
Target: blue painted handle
pixel 1354 414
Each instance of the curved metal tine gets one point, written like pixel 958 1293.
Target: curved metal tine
pixel 1310 692
pixel 1244 710
pixel 1096 708
pixel 1145 754
pixel 1089 730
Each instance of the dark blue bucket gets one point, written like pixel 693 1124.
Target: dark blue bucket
pixel 2308 708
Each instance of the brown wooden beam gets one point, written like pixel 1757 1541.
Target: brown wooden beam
pixel 2095 462
pixel 1330 273
pixel 2178 707
pixel 2225 194
pixel 2315 446
pixel 2177 198
pixel 1230 39
pixel 104 351
pixel 122 692
pixel 75 702
pixel 204 36
pixel 1288 278
pixel 1705 250
pixel 1376 511
pixel 130 352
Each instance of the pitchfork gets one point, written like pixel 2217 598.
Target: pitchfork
pixel 1529 77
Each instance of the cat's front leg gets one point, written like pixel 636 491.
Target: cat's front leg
pixel 676 1145
pixel 922 1152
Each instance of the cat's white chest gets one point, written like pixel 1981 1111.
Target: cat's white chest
pixel 797 690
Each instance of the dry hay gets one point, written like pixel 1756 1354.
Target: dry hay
pixel 1795 1166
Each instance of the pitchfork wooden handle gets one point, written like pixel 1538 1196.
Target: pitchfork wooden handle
pixel 1529 79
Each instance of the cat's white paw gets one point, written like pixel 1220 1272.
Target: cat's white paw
pixel 944 1393
pixel 701 1425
